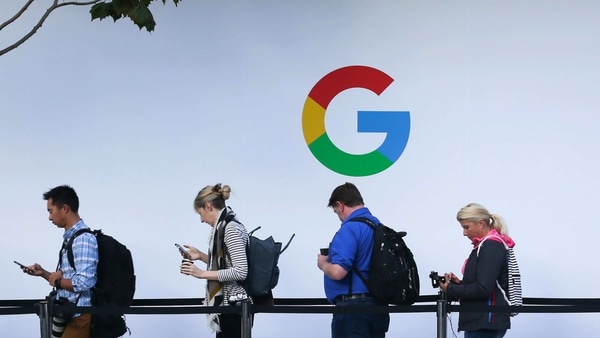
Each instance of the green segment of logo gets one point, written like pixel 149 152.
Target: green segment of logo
pixel 347 164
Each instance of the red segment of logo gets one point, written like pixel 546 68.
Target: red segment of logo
pixel 349 77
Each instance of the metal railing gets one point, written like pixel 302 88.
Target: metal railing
pixel 434 304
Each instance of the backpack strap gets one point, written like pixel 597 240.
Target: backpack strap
pixel 226 254
pixel 68 245
pixel 228 220
pixel 504 295
pixel 494 236
pixel 372 225
pixel 364 220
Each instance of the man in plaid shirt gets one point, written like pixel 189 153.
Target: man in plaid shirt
pixel 75 283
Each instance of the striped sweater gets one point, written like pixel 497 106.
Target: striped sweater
pixel 235 267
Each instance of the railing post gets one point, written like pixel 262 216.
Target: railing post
pixel 442 314
pixel 246 319
pixel 45 319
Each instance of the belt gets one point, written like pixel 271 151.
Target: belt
pixel 342 298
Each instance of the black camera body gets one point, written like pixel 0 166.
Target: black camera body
pixel 436 279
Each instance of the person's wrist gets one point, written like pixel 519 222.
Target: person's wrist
pixel 57 283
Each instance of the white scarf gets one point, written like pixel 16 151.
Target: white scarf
pixel 214 289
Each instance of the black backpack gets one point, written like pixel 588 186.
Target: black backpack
pixel 393 276
pixel 263 258
pixel 115 285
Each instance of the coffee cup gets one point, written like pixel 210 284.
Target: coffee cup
pixel 185 262
pixel 325 251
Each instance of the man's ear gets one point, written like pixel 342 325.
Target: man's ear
pixel 65 208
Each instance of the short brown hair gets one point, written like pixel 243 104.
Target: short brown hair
pixel 346 194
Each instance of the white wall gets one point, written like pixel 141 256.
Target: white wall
pixel 504 112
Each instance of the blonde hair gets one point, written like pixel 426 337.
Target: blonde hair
pixel 213 194
pixel 474 212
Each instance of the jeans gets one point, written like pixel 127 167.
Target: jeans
pixel 485 334
pixel 363 325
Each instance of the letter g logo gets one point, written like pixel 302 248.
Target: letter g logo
pixel 396 124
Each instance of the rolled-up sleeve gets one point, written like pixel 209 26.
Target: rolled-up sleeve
pixel 85 254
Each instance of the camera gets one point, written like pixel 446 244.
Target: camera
pixel 237 299
pixel 436 279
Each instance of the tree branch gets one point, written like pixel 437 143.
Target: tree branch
pixel 76 3
pixel 19 13
pixel 54 6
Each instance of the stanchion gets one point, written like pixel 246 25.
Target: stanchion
pixel 246 319
pixel 45 319
pixel 442 314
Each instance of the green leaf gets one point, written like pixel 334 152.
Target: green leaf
pixel 103 10
pixel 137 10
pixel 99 11
pixel 143 18
pixel 122 7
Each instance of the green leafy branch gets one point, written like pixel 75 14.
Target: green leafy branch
pixel 137 11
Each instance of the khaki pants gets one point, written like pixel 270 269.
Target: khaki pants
pixel 79 327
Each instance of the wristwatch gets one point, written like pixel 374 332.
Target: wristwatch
pixel 57 283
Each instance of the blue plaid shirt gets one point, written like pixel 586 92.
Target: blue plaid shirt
pixel 85 256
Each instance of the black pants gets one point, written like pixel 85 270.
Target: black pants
pixel 231 325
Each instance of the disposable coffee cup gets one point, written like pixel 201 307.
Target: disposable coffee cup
pixel 325 251
pixel 185 262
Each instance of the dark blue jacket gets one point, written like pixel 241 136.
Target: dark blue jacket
pixel 479 287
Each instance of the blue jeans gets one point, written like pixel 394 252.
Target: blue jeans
pixel 485 334
pixel 359 325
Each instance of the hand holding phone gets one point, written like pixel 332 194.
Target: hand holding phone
pixel 25 269
pixel 183 251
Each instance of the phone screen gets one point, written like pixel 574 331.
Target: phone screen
pixel 182 250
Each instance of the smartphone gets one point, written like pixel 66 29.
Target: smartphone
pixel 21 265
pixel 183 251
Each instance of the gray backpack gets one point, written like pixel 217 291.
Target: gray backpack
pixel 263 257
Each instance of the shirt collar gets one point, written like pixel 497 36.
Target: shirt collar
pixel 79 225
pixel 357 213
pixel 492 233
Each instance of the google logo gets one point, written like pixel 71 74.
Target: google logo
pixel 396 124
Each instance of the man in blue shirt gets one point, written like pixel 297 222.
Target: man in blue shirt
pixel 350 248
pixel 72 283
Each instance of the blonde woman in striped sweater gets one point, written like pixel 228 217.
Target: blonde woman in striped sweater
pixel 227 265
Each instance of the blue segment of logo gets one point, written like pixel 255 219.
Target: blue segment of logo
pixel 395 123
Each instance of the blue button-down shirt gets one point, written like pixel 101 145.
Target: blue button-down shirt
pixel 83 276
